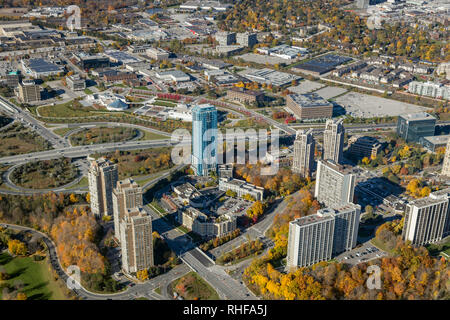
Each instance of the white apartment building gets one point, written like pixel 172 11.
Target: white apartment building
pixel 335 185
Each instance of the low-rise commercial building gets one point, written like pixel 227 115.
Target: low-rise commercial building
pixel 245 96
pixel 361 147
pixel 241 188
pixel 206 226
pixel 157 53
pixel 412 127
pixel 309 106
pixel 75 82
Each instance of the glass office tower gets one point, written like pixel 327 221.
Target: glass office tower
pixel 204 139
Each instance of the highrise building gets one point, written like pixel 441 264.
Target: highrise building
pixel 303 161
pixel 321 236
pixel 446 164
pixel 204 139
pixel 136 240
pixel 28 91
pixel 225 38
pixel 102 176
pixel 126 195
pixel 333 140
pixel 310 239
pixel 427 219
pixel 247 39
pixel 335 184
pixel 412 127
pixel 346 226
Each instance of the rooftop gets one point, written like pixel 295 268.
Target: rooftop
pixel 418 116
pixel 309 100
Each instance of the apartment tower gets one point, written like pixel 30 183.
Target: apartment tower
pixel 102 176
pixel 126 195
pixel 333 140
pixel 303 161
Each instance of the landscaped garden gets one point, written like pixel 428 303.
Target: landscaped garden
pixel 44 174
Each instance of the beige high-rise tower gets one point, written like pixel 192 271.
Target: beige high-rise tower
pixel 126 195
pixel 136 240
pixel 102 176
pixel 446 164
pixel 333 140
pixel 303 161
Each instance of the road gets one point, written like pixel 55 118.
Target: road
pixel 28 120
pixel 181 244
pixel 138 290
pixel 256 231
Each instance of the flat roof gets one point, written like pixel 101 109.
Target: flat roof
pixel 41 65
pixel 309 100
pixel 418 116
pixel 438 139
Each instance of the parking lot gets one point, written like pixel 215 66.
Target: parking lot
pixel 361 254
pixel 236 207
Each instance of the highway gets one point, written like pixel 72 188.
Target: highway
pixel 29 121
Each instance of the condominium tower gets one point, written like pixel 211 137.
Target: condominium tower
pixel 204 139
pixel 321 236
pixel 335 184
pixel 126 195
pixel 333 140
pixel 427 220
pixel 102 176
pixel 136 240
pixel 310 239
pixel 303 161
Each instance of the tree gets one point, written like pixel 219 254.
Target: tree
pixel 21 296
pixel 142 275
pixel 17 247
pixel 369 209
pixel 73 198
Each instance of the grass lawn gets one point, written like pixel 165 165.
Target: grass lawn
pixel 44 174
pixel 84 182
pixel 148 135
pixel 64 110
pixel 140 162
pixel 103 135
pixel 88 91
pixel 193 287
pixel 38 281
pixel 377 243
pixel 62 131
pixel 158 290
pixel 19 140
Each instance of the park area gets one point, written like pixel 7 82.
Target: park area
pixel 44 174
pixel 16 139
pixel 34 278
pixel 193 287
pixel 103 135
pixel 140 162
